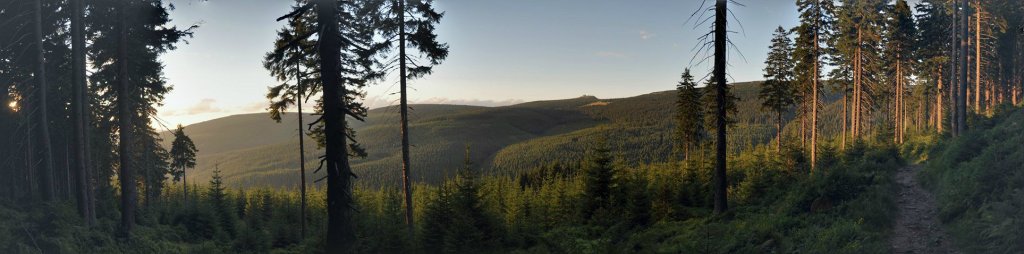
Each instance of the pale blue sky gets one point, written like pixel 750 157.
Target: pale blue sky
pixel 502 51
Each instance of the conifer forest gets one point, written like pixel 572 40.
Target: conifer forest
pixel 728 126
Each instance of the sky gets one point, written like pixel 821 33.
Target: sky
pixel 501 52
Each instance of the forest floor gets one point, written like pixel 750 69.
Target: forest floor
pixel 917 228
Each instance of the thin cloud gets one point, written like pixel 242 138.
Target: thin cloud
pixel 204 106
pixel 645 35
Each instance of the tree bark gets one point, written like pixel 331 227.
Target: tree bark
pixel 48 189
pixel 404 104
pixel 778 132
pixel 858 79
pixel 938 103
pixel 184 184
pixel 340 229
pixel 961 120
pixel 977 58
pixel 82 158
pixel 124 100
pixel 814 105
pixel 954 83
pixel 846 113
pixel 721 199
pixel 302 145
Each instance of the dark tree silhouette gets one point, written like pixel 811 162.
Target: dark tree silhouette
pixel 344 61
pixel 81 115
pixel 721 200
pixel 183 157
pixel 48 190
pixel 338 103
pixel 124 93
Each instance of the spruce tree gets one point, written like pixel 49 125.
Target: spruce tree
pixel 598 173
pixel 689 116
pixel 408 27
pixel 183 157
pixel 777 92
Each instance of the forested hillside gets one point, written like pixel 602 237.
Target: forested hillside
pixel 253 150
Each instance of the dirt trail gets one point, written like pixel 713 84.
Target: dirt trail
pixel 917 228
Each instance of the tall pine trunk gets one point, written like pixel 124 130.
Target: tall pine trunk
pixel 961 114
pixel 340 229
pixel 721 200
pixel 977 59
pixel 858 79
pixel 778 131
pixel 302 146
pixel 954 70
pixel 814 104
pixel 124 101
pixel 48 189
pixel 938 103
pixel 846 113
pixel 404 104
pixel 81 117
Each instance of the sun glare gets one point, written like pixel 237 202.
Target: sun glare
pixel 13 105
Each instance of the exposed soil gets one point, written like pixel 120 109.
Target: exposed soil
pixel 917 228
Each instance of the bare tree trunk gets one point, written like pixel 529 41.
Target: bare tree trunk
pixel 814 107
pixel 961 124
pixel 778 132
pixel 803 123
pixel 340 229
pixel 977 59
pixel 721 200
pixel 302 146
pixel 124 101
pixel 846 113
pixel 954 70
pixel 938 103
pixel 184 184
pixel 406 185
pixel 44 123
pixel 858 79
pixel 82 159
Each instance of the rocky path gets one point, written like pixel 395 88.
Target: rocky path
pixel 917 228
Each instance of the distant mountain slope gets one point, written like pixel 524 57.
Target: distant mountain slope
pixel 252 150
